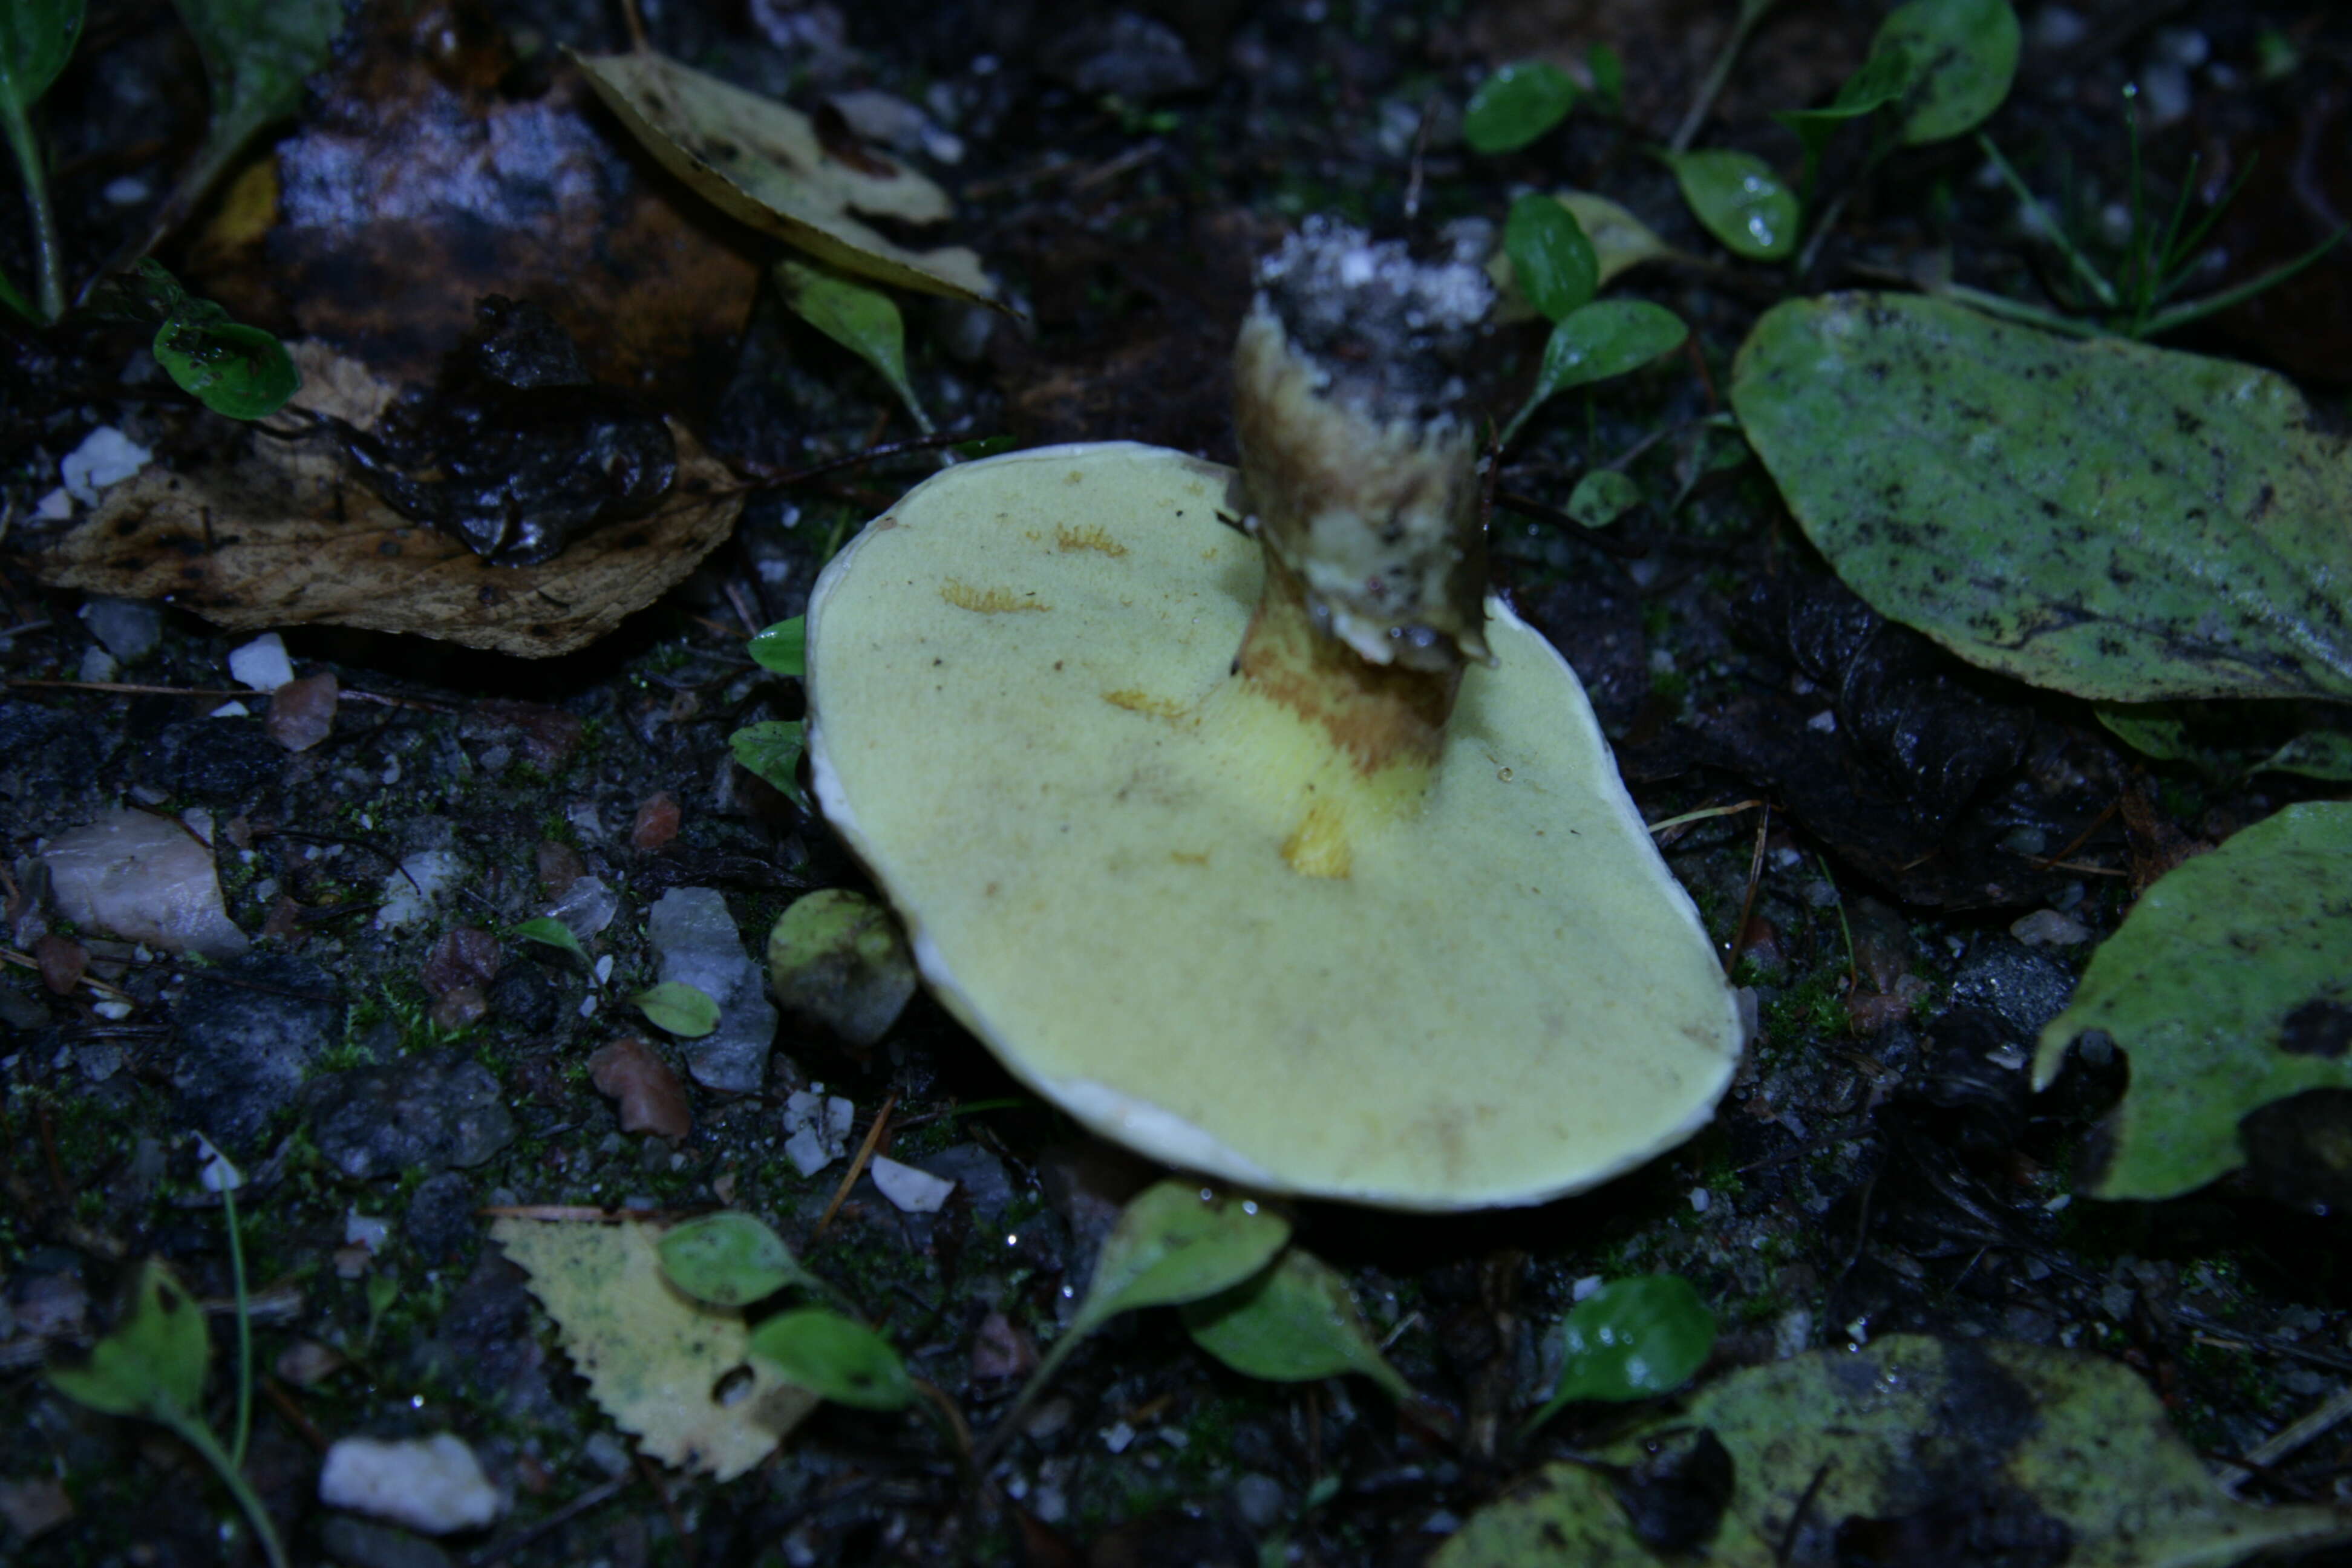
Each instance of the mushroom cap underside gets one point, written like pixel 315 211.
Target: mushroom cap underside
pixel 1024 718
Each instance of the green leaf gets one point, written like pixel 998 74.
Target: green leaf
pixel 12 301
pixel 1293 1322
pixel 677 1009
pixel 1551 257
pixel 256 53
pixel 1965 55
pixel 2314 754
pixel 153 1364
pixel 1619 240
pixel 1631 1339
pixel 1905 1435
pixel 1739 200
pixel 1607 77
pixel 730 1259
pixel 1177 1242
pixel 1606 338
pixel 1601 497
pixel 549 932
pixel 2152 729
pixel 831 1356
pixel 859 317
pixel 232 369
pixel 37 40
pixel 2118 521
pixel 773 750
pixel 985 445
pixel 1516 105
pixel 2230 985
pixel 784 647
pixel 1885 77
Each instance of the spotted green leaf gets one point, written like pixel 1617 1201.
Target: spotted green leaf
pixel 1906 1440
pixel 1550 256
pixel 859 317
pixel 1292 1322
pixel 1739 200
pixel 730 1259
pixel 677 1009
pixel 1516 105
pixel 783 648
pixel 1601 497
pixel 1631 1339
pixel 230 368
pixel 771 749
pixel 2314 754
pixel 153 1364
pixel 2230 987
pixel 1964 55
pixel 1606 338
pixel 834 1357
pixel 2123 522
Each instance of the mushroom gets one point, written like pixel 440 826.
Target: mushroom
pixel 1287 856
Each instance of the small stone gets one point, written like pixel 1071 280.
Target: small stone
pixel 464 956
pixel 696 941
pixel 63 962
pixel 651 1098
pixel 262 663
pixel 1260 1500
pixel 816 1129
pixel 34 1506
pixel 656 823
pixel 1000 1351
pixel 430 1113
pixel 244 1048
pixel 980 1173
pixel 430 1484
pixel 585 908
pixel 106 457
pixel 440 1226
pixel 357 1543
pixel 144 879
pixel 302 713
pixel 130 628
pixel 420 881
pixel 909 1190
pixel 307 1361
pixel 546 736
pixel 559 866
pixel 2048 928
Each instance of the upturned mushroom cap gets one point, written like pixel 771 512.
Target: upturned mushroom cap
pixel 1025 717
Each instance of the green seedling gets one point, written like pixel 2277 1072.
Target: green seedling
pixel 1606 338
pixel 783 648
pixel 1555 264
pixel 1631 1339
pixel 1601 497
pixel 37 40
pixel 1516 105
pixel 731 1259
pixel 677 1009
pixel 771 749
pixel 549 932
pixel 230 368
pixel 836 1357
pixel 1294 1321
pixel 1739 200
pixel 859 316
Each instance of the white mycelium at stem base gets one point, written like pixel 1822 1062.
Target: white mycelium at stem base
pixel 1383 930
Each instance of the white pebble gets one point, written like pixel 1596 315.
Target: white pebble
pixel 913 1190
pixel 106 457
pixel 434 1485
pixel 262 663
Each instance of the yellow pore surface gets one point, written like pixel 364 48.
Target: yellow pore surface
pixel 1024 722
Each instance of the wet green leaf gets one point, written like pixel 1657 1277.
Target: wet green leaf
pixel 1739 200
pixel 1601 497
pixel 1964 55
pixel 1619 241
pixel 2123 522
pixel 1551 257
pixel 2314 754
pixel 730 1259
pixel 1293 1322
pixel 784 647
pixel 1631 1339
pixel 153 1364
pixel 1883 78
pixel 257 55
pixel 773 750
pixel 1910 1440
pixel 2152 729
pixel 230 368
pixel 1177 1242
pixel 837 958
pixel 1516 105
pixel 832 1356
pixel 549 932
pixel 985 445
pixel 675 1008
pixel 37 40
pixel 1606 338
pixel 860 318
pixel 2230 987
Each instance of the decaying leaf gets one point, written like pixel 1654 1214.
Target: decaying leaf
pixel 762 162
pixel 284 534
pixel 662 1364
pixel 1915 1449
pixel 2125 523
pixel 2230 987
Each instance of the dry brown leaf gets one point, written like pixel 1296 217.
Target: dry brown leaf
pixel 762 162
pixel 283 535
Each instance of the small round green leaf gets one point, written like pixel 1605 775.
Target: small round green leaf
pixel 1740 200
pixel 729 1260
pixel 231 368
pixel 1550 256
pixel 1606 338
pixel 677 1009
pixel 1177 1242
pixel 832 1356
pixel 1293 1322
pixel 1516 105
pixel 1601 497
pixel 783 648
pixel 1964 57
pixel 1630 1340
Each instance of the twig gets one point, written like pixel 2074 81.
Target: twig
pixel 1750 12
pixel 2328 1413
pixel 279 1395
pixel 635 23
pixel 858 1164
pixel 767 479
pixel 1702 815
pixel 1748 901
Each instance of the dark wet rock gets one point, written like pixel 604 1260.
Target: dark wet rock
pixel 1975 1079
pixel 425 1112
pixel 525 995
pixel 128 628
pixel 46 753
pixel 440 1223
pixel 247 1032
pixel 485 1340
pixel 1595 621
pixel 2299 1150
pixel 1088 1183
pixel 544 737
pixel 1134 57
pixel 978 1174
pixel 1674 1501
pixel 223 761
pixel 2023 988
pixel 359 1543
